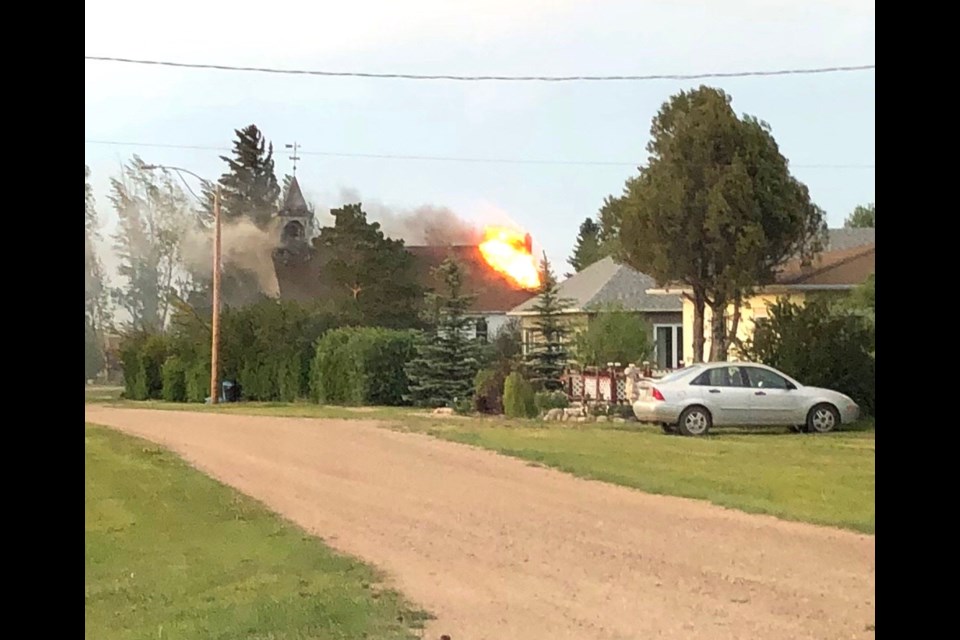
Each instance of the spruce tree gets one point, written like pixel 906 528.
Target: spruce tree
pixel 589 248
pixel 447 358
pixel 249 188
pixel 548 356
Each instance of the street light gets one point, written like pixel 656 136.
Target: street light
pixel 215 320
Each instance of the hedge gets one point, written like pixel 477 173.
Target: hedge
pixel 143 355
pixel 174 380
pixel 361 366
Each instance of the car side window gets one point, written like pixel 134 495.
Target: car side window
pixel 763 379
pixel 721 377
pixel 737 379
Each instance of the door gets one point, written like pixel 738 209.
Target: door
pixel 773 401
pixel 668 345
pixel 727 394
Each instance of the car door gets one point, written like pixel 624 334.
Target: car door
pixel 726 393
pixel 772 400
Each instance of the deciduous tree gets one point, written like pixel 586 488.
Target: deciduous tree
pixel 154 215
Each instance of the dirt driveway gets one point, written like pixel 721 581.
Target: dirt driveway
pixel 498 549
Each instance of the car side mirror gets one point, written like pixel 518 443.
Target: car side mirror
pixel 791 386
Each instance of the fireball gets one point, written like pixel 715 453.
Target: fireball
pixel 509 253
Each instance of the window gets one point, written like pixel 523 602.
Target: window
pixel 527 341
pixel 722 377
pixel 668 345
pixel 480 329
pixel 764 379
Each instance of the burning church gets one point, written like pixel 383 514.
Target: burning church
pixel 500 269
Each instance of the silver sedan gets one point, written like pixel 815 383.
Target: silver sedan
pixel 695 398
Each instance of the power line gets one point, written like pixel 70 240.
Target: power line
pixel 414 76
pixel 386 156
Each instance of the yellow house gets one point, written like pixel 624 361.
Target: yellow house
pixel 850 258
pixel 606 284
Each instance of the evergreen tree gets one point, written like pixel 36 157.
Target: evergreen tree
pixel 447 359
pixel 589 248
pixel 248 190
pixel 250 187
pixel 547 356
pixel 365 276
pixel 862 217
pixel 715 208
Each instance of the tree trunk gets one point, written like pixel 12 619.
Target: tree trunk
pixel 735 322
pixel 699 304
pixel 718 330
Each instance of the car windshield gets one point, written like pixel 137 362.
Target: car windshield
pixel 679 373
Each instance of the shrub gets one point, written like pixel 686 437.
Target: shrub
pixel 354 366
pixel 819 346
pixel 143 355
pixel 518 397
pixel 174 380
pixel 153 356
pixel 288 379
pixel 197 381
pixel 488 391
pixel 138 386
pixel 612 335
pixel 463 406
pixel 546 400
pixel 624 411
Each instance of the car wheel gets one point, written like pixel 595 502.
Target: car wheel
pixel 695 421
pixel 823 418
pixel 668 428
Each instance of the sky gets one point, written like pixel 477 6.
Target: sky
pixel 823 123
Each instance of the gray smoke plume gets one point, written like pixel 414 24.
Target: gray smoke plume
pixel 243 245
pixel 423 225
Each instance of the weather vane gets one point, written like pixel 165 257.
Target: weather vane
pixel 294 157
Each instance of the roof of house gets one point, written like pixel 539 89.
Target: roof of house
pixel 607 283
pixel 839 239
pixel 494 292
pixel 848 258
pixel 838 267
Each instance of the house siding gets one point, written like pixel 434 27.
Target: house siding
pixel 753 309
pixel 575 322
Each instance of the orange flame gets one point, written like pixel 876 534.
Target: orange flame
pixel 510 253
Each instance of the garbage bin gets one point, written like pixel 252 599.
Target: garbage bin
pixel 229 391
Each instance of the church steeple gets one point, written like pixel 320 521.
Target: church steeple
pixel 295 216
pixel 294 204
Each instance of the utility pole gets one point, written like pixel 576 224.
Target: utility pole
pixel 215 321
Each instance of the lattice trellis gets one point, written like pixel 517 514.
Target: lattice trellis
pixel 597 389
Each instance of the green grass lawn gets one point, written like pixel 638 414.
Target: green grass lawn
pixel 823 479
pixel 812 478
pixel 171 553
